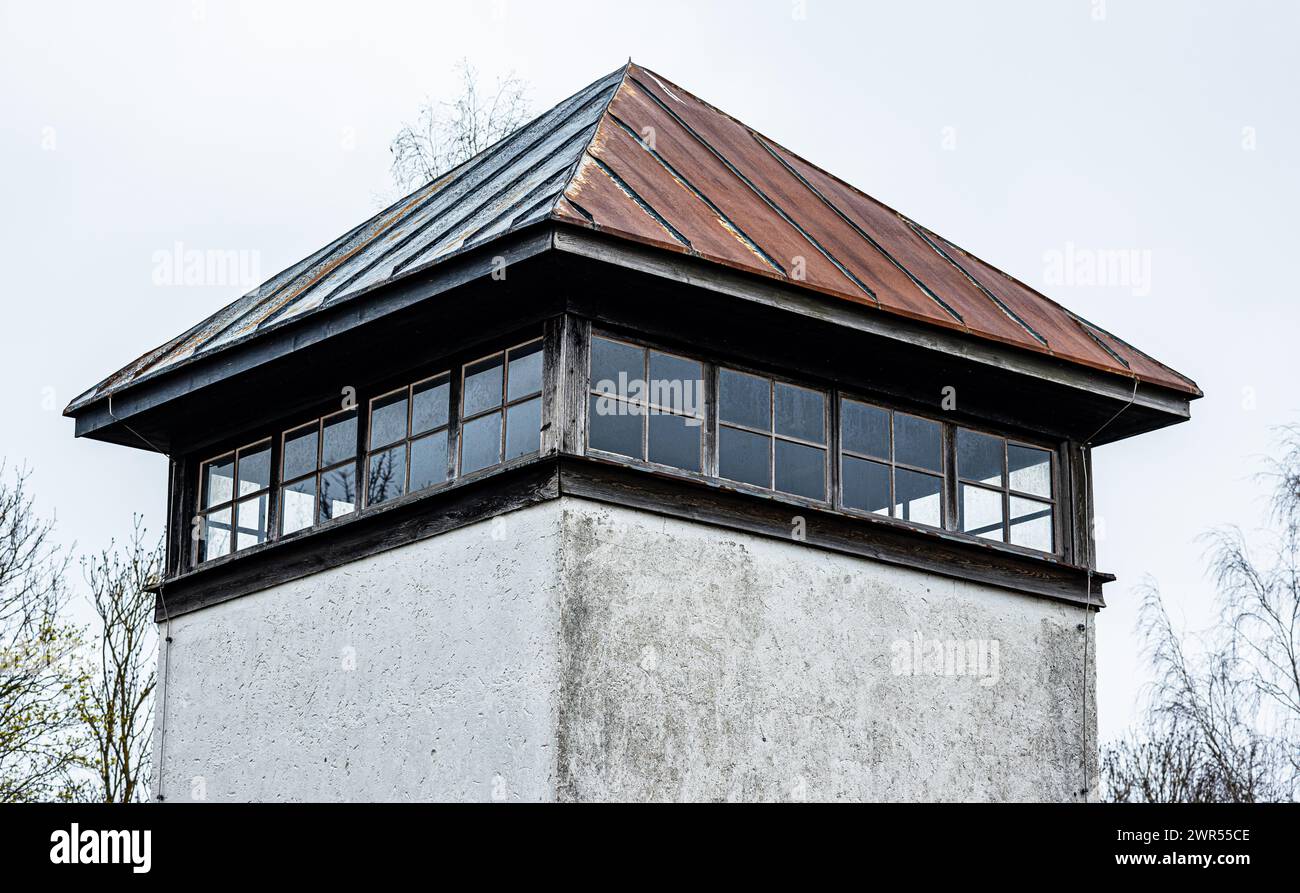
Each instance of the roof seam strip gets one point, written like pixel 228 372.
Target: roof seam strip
pixel 475 208
pixel 726 221
pixel 929 292
pixel 1015 317
pixel 640 202
pixel 762 195
pixel 498 149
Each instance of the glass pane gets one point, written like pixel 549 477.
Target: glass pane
pixel 800 413
pixel 614 426
pixel 387 477
pixel 298 505
pixel 216 535
pixel 428 461
pixel 254 469
pixel 482 386
pixel 429 405
pixel 675 441
pixel 614 366
pixel 525 375
pixel 340 439
pixel 981 512
pixel 388 420
pixel 219 481
pixel 866 429
pixel 300 452
pixel 480 443
pixel 1031 470
pixel 252 521
pixel 918 497
pixel 917 442
pixel 745 399
pixel 676 384
pixel 524 428
pixel 866 485
pixel 338 492
pixel 979 457
pixel 800 470
pixel 744 456
pixel 1031 524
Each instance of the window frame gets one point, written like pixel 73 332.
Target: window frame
pixel 1055 474
pixel 828 417
pixel 459 419
pixel 321 469
pixel 892 464
pixel 644 460
pixel 363 399
pixel 834 397
pixel 203 512
pixel 408 440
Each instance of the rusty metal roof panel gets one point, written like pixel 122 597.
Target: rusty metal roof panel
pixel 851 245
pixel 637 156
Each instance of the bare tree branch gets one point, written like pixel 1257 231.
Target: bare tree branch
pixel 40 736
pixel 118 708
pixel 446 134
pixel 1223 722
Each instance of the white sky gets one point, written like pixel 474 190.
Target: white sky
pixel 1013 128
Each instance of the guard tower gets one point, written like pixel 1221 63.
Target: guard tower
pixel 634 458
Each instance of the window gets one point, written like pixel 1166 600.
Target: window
pixel 1005 490
pixel 318 467
pixel 646 405
pixel 771 434
pixel 235 501
pixel 501 407
pixel 403 443
pixel 409 447
pixel 891 463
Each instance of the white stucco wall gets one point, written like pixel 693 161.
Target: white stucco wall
pixel 574 650
pixel 423 673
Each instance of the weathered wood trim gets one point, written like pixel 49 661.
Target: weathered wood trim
pixel 537 480
pixel 577 346
pixel 553 384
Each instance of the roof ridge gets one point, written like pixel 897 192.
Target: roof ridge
pixel 600 120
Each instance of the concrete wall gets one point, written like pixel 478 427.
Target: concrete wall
pixel 701 664
pixel 423 673
pixel 578 651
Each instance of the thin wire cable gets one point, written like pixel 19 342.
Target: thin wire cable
pixel 1087 607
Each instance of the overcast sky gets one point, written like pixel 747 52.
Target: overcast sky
pixel 1020 130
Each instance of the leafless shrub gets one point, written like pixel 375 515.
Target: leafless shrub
pixel 1223 719
pixel 445 134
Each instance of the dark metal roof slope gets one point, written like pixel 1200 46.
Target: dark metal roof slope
pixel 638 157
pixel 513 183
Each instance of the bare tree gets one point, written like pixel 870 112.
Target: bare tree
pixel 118 708
pixel 40 732
pixel 446 133
pixel 1223 719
